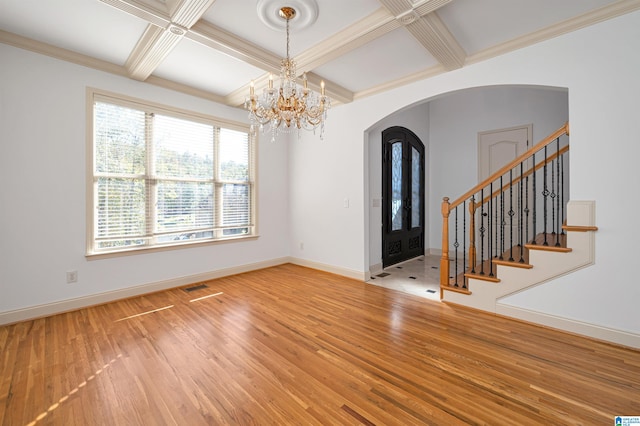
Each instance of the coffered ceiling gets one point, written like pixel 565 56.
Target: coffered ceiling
pixel 214 48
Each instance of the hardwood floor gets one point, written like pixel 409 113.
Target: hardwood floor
pixel 289 345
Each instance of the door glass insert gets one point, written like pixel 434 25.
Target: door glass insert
pixel 415 188
pixel 396 186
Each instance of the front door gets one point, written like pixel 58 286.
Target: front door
pixel 403 180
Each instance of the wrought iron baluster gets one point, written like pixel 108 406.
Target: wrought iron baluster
pixel 455 246
pixel 559 218
pixel 545 193
pixel 464 242
pixel 482 231
pixel 472 234
pixel 511 213
pixel 535 208
pixel 526 209
pixel 553 199
pixel 502 221
pixel 562 197
pixel 490 239
pixel 520 207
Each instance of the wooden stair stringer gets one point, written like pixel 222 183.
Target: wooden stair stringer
pixel 547 265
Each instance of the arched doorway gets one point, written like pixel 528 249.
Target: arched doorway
pixel 403 195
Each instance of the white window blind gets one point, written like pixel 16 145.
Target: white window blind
pixel 166 179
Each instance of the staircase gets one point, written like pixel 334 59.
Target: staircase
pixel 516 229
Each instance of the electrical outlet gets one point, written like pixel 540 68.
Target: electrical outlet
pixel 72 277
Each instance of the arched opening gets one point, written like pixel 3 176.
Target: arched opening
pixel 449 125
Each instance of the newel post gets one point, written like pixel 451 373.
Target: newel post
pixel 444 260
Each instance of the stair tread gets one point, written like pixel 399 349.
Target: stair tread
pixel 456 289
pixel 517 256
pixel 513 263
pixel 482 277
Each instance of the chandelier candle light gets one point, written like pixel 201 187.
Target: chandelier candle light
pixel 291 106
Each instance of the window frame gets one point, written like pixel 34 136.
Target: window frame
pixel 96 95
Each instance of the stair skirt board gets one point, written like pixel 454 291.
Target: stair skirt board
pixel 619 337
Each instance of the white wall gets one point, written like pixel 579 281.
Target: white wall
pixel 42 189
pixel 600 68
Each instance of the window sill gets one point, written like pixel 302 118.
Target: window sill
pixel 168 247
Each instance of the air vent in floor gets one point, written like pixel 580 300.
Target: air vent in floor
pixel 195 287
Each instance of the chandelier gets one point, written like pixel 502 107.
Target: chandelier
pixel 290 107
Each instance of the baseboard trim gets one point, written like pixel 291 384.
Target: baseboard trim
pixel 572 326
pixel 49 309
pixel 349 273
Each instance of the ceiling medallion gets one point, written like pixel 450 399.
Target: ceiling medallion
pixel 291 106
pixel 269 13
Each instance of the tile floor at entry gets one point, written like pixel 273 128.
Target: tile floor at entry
pixel 419 276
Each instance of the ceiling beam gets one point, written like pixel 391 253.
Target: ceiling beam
pixel 164 32
pixel 154 45
pixel 426 26
pixel 433 34
pixel 141 10
pixel 236 47
pixel 360 33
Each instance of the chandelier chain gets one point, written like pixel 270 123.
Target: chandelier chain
pixel 288 39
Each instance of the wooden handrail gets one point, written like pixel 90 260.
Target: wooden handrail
pixel 447 207
pixel 564 130
pixel 525 174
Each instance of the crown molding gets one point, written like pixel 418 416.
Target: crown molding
pixel 403 81
pixel 183 88
pixel 60 53
pixel 100 65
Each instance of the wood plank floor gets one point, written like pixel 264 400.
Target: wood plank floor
pixel 289 345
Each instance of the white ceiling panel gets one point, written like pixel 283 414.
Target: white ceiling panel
pixel 195 65
pixel 391 57
pixel 480 24
pixel 241 18
pixel 88 27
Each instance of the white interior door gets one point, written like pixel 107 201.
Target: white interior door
pixel 497 148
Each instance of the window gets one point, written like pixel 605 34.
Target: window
pixel 162 177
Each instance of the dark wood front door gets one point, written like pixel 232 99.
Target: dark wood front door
pixel 403 196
